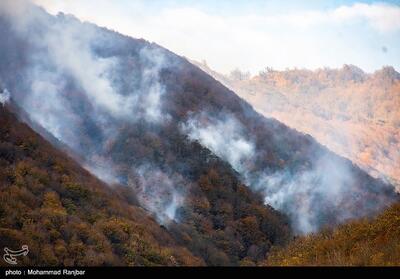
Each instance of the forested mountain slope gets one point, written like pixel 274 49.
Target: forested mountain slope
pixel 227 183
pixel 68 217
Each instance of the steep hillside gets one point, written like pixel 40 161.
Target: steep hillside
pixel 353 113
pixel 209 168
pixel 365 242
pixel 68 217
pixel 127 139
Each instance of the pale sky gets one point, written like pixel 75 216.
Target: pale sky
pixel 252 35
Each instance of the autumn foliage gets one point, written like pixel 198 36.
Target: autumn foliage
pixel 68 217
pixel 363 242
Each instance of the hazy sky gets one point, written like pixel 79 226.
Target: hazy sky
pixel 252 35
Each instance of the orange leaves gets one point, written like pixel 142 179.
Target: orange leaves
pixel 364 242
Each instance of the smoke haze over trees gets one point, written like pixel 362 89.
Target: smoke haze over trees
pixel 353 113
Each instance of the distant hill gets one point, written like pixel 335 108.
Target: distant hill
pixel 353 113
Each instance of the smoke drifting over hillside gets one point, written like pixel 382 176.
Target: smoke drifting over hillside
pixel 72 85
pixel 223 136
pixel 122 106
pixel 158 192
pixel 307 196
pixel 355 114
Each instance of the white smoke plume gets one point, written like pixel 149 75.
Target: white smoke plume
pixel 4 96
pixel 304 196
pixel 309 197
pixel 224 136
pixel 71 80
pixel 66 52
pixel 158 191
pixel 103 168
pixel 152 100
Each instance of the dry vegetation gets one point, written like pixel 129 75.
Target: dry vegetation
pixel 68 217
pixel 373 242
